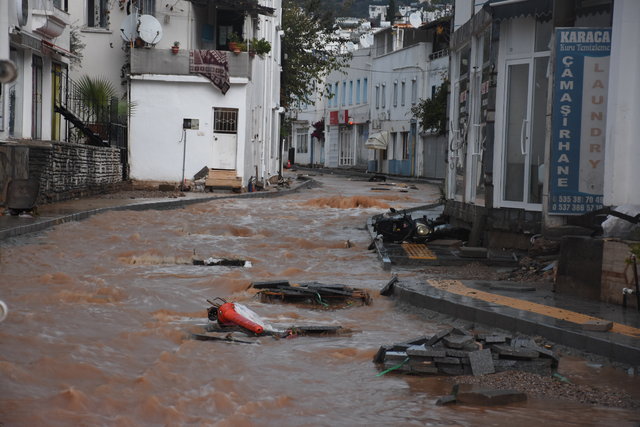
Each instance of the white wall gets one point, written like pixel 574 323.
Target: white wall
pixel 622 151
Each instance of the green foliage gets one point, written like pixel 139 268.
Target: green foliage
pixel 76 46
pixel 311 50
pixel 431 113
pixel 97 94
pixel 260 46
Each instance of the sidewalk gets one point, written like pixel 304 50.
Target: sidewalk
pixel 75 210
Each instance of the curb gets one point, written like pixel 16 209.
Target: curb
pixel 156 205
pixel 616 347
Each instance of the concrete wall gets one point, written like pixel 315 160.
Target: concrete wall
pixel 617 272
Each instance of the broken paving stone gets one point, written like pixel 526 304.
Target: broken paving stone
pixel 458 341
pixel 520 352
pixel 395 356
pixel 523 342
pixel 421 350
pixel 446 400
pixel 481 362
pixel 457 353
pixel 490 397
pixel 438 336
pixel 597 325
pixel 448 360
pixel 493 339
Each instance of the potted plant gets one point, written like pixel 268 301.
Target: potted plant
pixel 261 46
pixel 234 40
pixel 175 48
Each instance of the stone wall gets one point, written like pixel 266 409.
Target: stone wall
pixel 68 170
pixel 64 170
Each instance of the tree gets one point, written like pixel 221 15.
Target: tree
pixel 431 113
pixel 311 50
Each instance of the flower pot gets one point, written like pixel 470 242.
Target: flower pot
pixel 175 49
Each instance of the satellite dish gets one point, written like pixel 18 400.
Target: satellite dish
pixel 128 28
pixel 149 29
pixel 22 10
pixel 8 71
pixel 415 19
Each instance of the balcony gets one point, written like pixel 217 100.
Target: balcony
pixel 163 61
pixel 49 23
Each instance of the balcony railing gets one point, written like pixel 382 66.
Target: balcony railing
pixel 163 61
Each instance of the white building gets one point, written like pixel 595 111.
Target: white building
pixel 372 97
pixel 35 36
pixel 516 161
pixel 238 119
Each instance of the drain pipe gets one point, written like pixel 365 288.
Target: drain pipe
pixel 635 278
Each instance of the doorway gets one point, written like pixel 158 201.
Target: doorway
pixel 225 138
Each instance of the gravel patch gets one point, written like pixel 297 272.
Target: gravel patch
pixel 551 388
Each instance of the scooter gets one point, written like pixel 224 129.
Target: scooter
pixel 398 227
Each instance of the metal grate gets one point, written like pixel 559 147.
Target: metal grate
pixel 418 251
pixel 225 120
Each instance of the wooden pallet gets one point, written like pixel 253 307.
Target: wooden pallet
pixel 223 178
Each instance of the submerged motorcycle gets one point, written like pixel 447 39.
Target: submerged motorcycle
pixel 398 227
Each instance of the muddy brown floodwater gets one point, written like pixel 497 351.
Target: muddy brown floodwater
pixel 101 310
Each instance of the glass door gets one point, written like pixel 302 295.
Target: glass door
pixel 526 103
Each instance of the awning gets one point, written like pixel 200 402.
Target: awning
pixel 378 141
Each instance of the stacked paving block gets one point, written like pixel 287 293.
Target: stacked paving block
pixel 457 352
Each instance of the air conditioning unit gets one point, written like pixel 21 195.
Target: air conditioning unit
pixel 375 124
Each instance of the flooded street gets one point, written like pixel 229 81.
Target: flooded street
pixel 101 311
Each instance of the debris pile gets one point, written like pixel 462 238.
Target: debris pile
pixel 311 293
pixel 457 352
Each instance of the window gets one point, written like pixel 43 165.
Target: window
pixel 61 4
pixel 335 94
pixel 414 91
pixel 97 13
pixel 383 102
pixel 395 93
pixel 351 92
pixel 365 91
pixel 225 120
pixel 402 93
pixel 358 91
pixel 344 94
pixel 302 141
pixel 377 96
pixel 147 7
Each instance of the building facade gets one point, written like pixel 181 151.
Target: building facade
pixel 173 62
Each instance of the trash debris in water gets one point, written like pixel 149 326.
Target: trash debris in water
pixel 234 322
pixel 311 293
pixel 223 262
